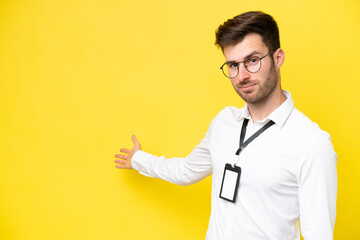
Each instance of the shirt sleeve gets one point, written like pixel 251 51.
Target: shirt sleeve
pixel 318 189
pixel 182 171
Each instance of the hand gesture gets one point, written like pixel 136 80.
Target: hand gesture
pixel 123 160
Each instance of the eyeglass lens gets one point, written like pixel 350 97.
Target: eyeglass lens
pixel 231 69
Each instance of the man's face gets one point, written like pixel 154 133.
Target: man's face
pixel 253 87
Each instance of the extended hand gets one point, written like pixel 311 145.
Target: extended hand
pixel 125 162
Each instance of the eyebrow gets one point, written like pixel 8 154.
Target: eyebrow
pixel 249 55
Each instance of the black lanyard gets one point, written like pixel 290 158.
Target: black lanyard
pixel 243 144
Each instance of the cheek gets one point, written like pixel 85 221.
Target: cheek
pixel 265 72
pixel 266 68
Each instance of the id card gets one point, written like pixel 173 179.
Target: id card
pixel 230 182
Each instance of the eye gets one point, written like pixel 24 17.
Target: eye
pixel 252 61
pixel 232 65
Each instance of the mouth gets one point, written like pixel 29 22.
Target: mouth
pixel 247 87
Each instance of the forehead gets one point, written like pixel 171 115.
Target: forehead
pixel 250 44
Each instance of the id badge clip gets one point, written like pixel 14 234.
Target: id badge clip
pixel 230 182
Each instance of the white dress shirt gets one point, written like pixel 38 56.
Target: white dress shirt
pixel 288 174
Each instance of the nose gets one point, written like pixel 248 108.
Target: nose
pixel 243 73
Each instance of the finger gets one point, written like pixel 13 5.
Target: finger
pixel 122 166
pixel 135 141
pixel 122 156
pixel 120 161
pixel 125 150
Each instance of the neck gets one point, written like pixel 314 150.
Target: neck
pixel 260 110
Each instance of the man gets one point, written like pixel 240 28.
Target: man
pixel 283 170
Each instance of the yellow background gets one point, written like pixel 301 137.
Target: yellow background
pixel 77 78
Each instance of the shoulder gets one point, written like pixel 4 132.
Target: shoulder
pixel 304 126
pixel 231 113
pixel 227 117
pixel 304 137
pixel 316 142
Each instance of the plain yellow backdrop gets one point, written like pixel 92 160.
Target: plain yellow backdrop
pixel 77 78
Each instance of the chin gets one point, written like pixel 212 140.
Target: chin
pixel 249 97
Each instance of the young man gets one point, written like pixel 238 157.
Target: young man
pixel 283 170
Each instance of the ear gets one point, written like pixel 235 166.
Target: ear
pixel 279 58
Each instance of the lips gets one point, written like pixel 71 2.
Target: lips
pixel 247 87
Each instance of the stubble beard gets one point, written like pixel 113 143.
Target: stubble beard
pixel 264 90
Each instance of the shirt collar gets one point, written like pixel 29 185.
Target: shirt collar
pixel 280 114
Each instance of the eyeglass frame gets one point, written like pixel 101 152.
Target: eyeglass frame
pixel 238 70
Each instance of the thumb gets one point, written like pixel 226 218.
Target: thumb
pixel 136 142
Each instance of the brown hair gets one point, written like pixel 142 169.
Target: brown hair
pixel 235 30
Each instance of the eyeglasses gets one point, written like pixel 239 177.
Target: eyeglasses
pixel 252 64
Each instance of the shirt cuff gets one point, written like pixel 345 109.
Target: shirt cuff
pixel 139 160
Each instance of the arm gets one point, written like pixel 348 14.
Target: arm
pixel 182 171
pixel 318 190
